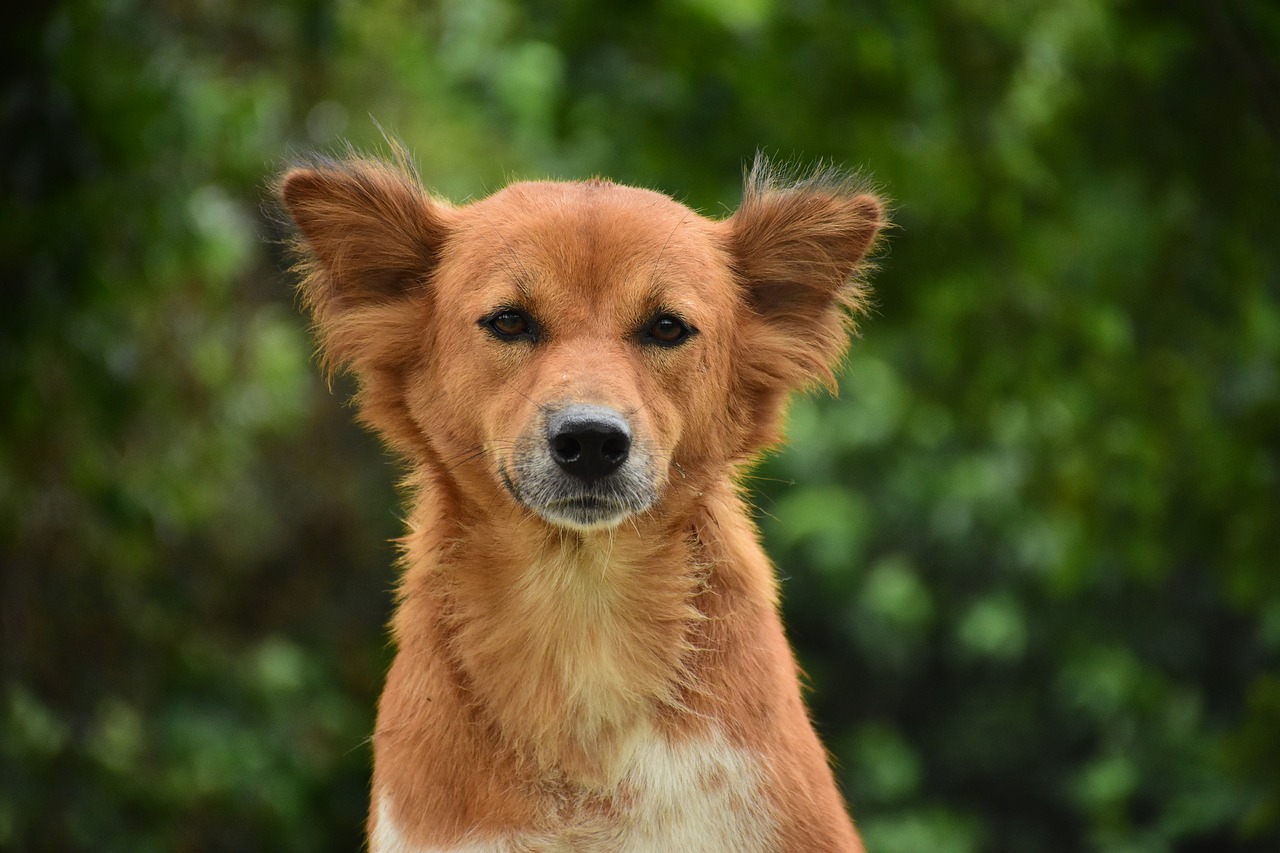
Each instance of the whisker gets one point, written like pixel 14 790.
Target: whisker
pixel 520 271
pixel 469 458
pixel 657 262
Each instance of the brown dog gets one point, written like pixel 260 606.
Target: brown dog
pixel 590 655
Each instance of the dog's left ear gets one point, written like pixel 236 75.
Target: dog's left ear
pixel 370 240
pixel 798 250
pixel 369 243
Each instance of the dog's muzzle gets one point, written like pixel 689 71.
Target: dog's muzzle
pixel 587 473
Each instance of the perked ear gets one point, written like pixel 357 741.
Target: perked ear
pixel 799 248
pixel 370 240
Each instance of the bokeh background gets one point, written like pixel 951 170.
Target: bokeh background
pixel 1031 554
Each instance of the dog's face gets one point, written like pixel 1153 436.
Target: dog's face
pixel 576 349
pixel 582 334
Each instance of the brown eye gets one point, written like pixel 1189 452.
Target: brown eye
pixel 667 330
pixel 510 324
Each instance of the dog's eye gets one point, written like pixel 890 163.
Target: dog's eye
pixel 668 330
pixel 508 323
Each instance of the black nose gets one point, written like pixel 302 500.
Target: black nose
pixel 589 442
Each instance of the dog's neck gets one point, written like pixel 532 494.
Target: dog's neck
pixel 569 646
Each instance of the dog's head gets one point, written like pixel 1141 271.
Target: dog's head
pixel 577 348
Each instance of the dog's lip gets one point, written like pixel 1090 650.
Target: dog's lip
pixel 585 502
pixel 580 506
pixel 578 511
pixel 572 501
pixel 583 512
pixel 583 507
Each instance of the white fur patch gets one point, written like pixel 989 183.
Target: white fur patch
pixel 698 796
pixel 386 837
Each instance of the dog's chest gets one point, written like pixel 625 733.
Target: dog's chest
pixel 701 794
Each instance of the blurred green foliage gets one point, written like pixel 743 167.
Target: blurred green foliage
pixel 1031 555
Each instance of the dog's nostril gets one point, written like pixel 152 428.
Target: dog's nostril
pixel 614 448
pixel 588 442
pixel 567 448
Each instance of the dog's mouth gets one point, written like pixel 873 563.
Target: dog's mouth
pixel 585 512
pixel 564 503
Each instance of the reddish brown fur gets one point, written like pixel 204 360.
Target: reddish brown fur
pixel 528 653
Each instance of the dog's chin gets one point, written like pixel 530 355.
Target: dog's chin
pixel 581 507
pixel 584 515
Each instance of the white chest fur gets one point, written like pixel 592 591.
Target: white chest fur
pixel 700 794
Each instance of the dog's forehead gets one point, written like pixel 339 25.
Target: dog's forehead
pixel 591 237
pixel 549 199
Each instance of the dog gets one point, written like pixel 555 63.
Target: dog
pixel 578 374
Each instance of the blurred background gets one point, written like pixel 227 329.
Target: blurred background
pixel 1031 554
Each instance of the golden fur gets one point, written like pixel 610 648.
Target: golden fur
pixel 545 669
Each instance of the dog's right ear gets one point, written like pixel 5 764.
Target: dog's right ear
pixel 798 248
pixel 370 239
